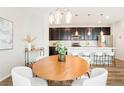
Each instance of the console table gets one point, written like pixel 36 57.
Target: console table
pixel 32 54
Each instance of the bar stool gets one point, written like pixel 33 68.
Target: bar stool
pixel 110 57
pixel 98 58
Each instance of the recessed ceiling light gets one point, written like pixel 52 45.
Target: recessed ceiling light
pixel 107 17
pixel 101 14
pixel 76 14
pixel 89 14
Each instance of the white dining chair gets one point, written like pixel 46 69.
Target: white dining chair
pixel 39 57
pixel 87 59
pixel 98 77
pixel 22 76
pixel 86 54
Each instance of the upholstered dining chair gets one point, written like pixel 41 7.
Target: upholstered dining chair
pixel 98 77
pixel 88 60
pixel 39 57
pixel 22 76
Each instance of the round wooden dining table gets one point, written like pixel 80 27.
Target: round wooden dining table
pixel 51 69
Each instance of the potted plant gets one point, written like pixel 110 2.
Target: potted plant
pixel 61 49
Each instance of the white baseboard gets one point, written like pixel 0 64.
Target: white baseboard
pixel 5 77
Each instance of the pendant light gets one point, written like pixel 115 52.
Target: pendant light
pixel 101 33
pixel 68 16
pixel 76 33
pixel 89 32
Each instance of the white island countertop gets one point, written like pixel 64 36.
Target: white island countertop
pixel 90 47
pixel 77 50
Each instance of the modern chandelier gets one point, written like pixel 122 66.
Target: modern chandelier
pixel 60 15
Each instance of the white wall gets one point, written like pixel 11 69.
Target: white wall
pixel 118 39
pixel 26 20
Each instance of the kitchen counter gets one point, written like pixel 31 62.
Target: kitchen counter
pixel 88 49
pixel 69 43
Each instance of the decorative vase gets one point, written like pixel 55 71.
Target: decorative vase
pixel 29 46
pixel 61 58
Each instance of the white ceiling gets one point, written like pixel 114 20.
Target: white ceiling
pixel 115 14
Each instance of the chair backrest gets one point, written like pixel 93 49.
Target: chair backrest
pixel 99 53
pixel 21 76
pixel 98 77
pixel 84 54
pixel 40 57
pixel 87 59
pixel 110 53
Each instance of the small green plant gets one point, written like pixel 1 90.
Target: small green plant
pixel 60 48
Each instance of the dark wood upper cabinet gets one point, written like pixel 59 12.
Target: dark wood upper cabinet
pixel 95 32
pixel 53 34
pixel 61 33
pixel 106 30
pixel 81 32
pixel 64 34
pixel 87 36
pixel 67 33
pixel 72 32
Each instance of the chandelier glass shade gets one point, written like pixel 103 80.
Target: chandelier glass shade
pixel 60 15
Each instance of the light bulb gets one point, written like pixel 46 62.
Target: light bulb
pixel 76 33
pixel 68 17
pixel 89 33
pixel 101 33
pixel 58 17
pixel 51 19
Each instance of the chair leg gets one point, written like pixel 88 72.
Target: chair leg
pixel 114 61
pixel 88 74
pixel 108 60
pixel 96 60
pixel 103 60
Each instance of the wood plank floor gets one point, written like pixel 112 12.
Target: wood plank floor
pixel 115 76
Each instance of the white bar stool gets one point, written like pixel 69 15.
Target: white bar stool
pixel 98 58
pixel 110 57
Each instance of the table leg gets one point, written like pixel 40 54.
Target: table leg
pixel 59 83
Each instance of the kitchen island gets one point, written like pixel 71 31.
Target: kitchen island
pixel 78 50
pixel 104 58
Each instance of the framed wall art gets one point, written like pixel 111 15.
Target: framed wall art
pixel 6 34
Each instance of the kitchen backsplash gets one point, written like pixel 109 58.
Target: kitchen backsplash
pixel 69 43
